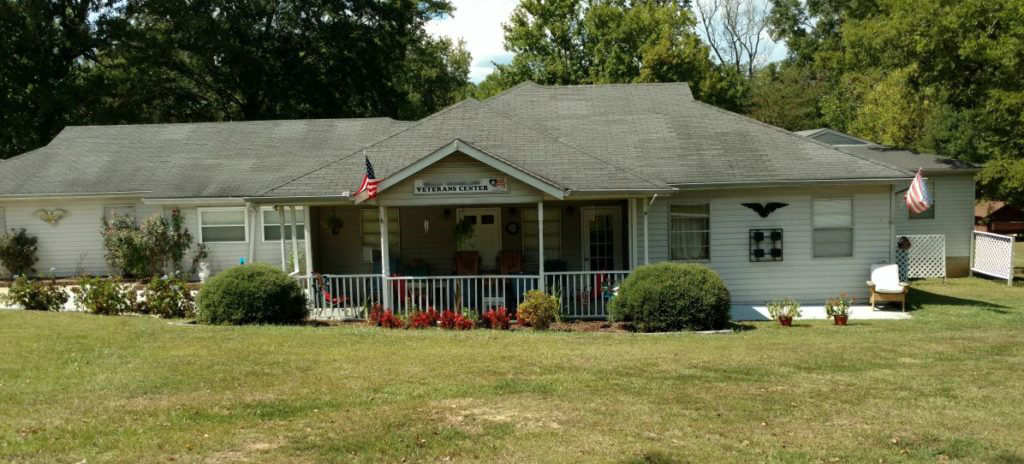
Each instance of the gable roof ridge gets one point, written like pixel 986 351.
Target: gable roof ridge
pixel 511 90
pixel 359 150
pixel 797 136
pixel 530 127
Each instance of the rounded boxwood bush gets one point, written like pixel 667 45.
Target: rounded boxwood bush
pixel 251 294
pixel 672 296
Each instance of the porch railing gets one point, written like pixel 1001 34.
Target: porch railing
pixel 583 294
pixel 475 293
pixel 342 296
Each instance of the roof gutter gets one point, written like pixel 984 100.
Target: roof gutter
pixel 195 201
pixel 804 183
pixel 64 196
pixel 303 200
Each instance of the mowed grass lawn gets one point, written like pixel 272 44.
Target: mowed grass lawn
pixel 946 385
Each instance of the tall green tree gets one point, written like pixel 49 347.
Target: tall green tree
pixel 104 61
pixel 47 53
pixel 932 75
pixel 261 59
pixel 609 41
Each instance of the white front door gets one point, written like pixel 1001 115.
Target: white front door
pixel 602 236
pixel 486 237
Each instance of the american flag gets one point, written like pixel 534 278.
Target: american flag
pixel 368 189
pixel 917 197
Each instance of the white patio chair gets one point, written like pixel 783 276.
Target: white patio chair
pixel 885 285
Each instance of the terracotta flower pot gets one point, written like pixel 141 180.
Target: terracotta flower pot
pixel 786 321
pixel 840 320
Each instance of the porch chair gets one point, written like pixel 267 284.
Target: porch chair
pixel 467 262
pixel 510 262
pixel 886 287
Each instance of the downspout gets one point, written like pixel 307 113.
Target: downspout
pixel 647 242
pixel 892 223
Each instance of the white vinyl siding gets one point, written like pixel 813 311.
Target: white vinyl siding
pixel 223 225
pixel 552 235
pixel 689 232
pixel 369 223
pixel 121 210
pixel 74 244
pixel 833 227
pixel 930 212
pixel 272 223
pixel 954 213
pixel 799 275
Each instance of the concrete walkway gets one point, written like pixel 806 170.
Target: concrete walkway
pixel 741 312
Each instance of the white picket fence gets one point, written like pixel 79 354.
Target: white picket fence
pixel 992 255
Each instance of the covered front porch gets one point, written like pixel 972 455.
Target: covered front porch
pixel 470 257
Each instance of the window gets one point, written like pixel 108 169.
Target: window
pixel 3 222
pixel 272 224
pixel 120 210
pixel 552 236
pixel 369 223
pixel 833 227
pixel 930 212
pixel 223 225
pixel 690 232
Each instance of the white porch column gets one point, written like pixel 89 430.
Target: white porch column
pixel 631 214
pixel 280 224
pixel 647 243
pixel 308 236
pixel 540 245
pixel 252 211
pixel 295 242
pixel 385 258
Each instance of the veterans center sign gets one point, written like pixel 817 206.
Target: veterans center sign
pixel 485 185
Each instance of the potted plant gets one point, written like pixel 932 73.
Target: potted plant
pixel 838 308
pixel 784 310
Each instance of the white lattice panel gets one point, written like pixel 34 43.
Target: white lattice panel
pixel 993 255
pixel 925 258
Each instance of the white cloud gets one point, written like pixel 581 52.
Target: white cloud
pixel 478 22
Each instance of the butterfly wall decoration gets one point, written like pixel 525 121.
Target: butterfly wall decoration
pixel 51 216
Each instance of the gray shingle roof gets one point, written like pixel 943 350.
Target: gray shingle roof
pixel 903 159
pixel 603 137
pixel 230 159
pixel 660 131
pixel 559 164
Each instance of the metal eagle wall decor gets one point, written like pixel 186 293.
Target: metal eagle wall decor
pixel 51 216
pixel 765 209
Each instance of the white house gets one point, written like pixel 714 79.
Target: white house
pixel 568 187
pixel 950 183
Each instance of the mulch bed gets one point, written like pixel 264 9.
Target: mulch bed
pixel 591 326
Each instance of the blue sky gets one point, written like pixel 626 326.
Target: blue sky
pixel 478 22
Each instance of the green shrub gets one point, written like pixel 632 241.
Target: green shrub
pixel 168 297
pixel 105 296
pixel 252 294
pixel 149 249
pixel 672 296
pixel 18 252
pixel 40 295
pixel 538 310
